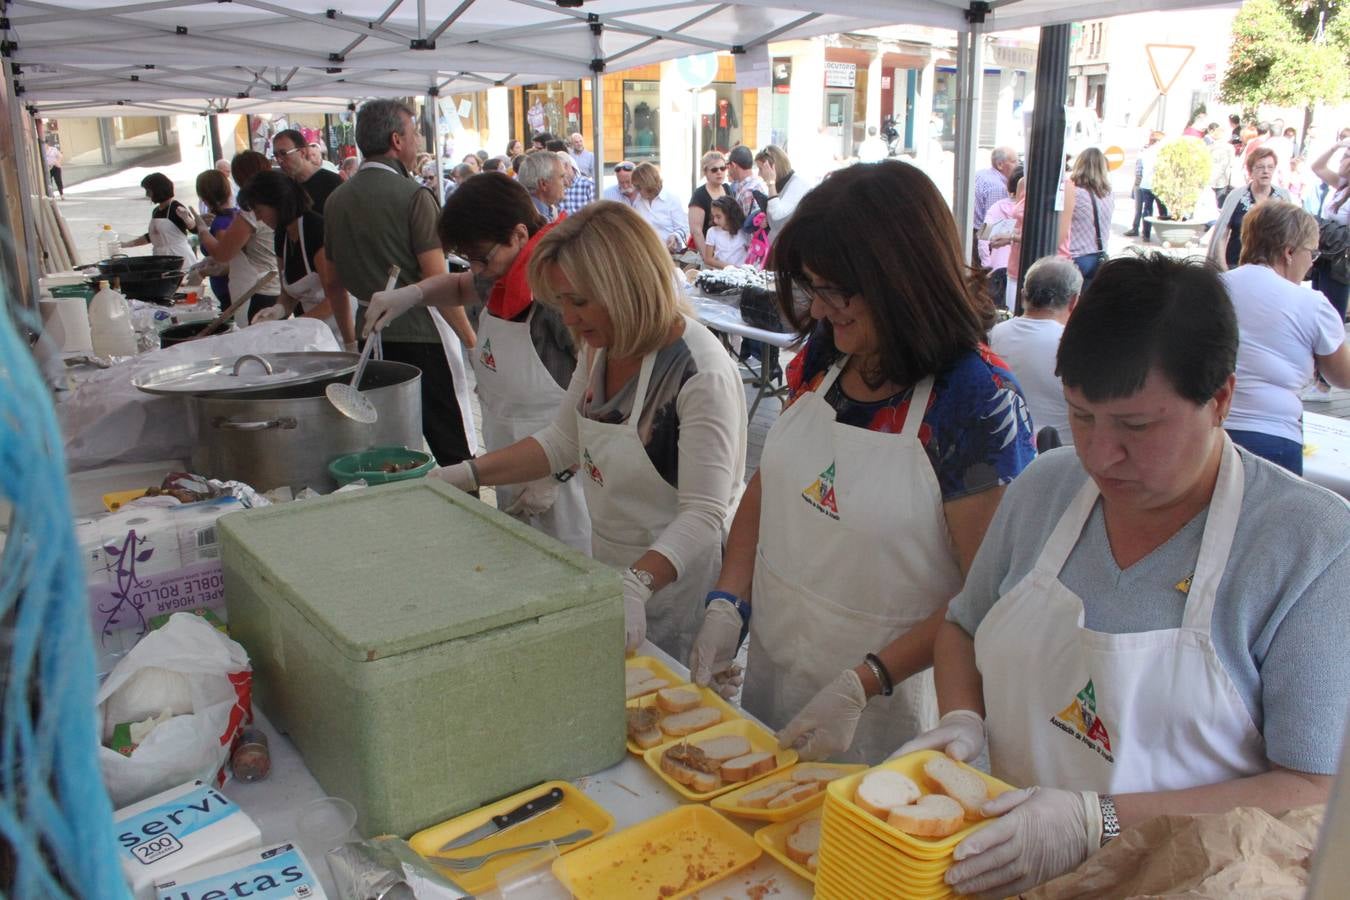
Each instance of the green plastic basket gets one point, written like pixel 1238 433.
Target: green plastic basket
pixel 368 465
pixel 73 290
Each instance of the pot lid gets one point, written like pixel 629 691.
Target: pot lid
pixel 241 374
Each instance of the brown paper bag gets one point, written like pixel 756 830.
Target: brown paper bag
pixel 1243 853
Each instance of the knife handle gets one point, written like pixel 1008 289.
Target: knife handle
pixel 528 810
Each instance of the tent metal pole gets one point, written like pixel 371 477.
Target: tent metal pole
pixel 433 110
pixel 970 69
pixel 597 105
pixel 1045 151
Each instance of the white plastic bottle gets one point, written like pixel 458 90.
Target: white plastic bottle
pixel 109 243
pixel 110 323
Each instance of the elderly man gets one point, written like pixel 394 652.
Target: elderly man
pixel 458 175
pixel 625 191
pixel 579 189
pixel 991 186
pixel 542 175
pixel 585 158
pixel 291 151
pixel 381 217
pixel 223 167
pixel 318 154
pixel 1029 343
pixel 745 181
pixel 348 167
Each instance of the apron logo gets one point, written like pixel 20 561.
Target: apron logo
pixel 820 493
pixel 486 358
pixel 1184 585
pixel 591 469
pixel 1080 719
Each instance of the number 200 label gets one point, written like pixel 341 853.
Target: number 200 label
pixel 158 848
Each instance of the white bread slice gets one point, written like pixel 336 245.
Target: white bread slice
pixel 959 783
pixel 645 687
pixel 748 767
pixel 678 699
pixel 759 798
pixel 934 816
pixel 882 789
pixel 696 719
pixel 807 774
pixel 650 738
pixel 813 863
pixel 699 782
pixel 636 675
pixel 795 795
pixel 804 842
pixel 724 747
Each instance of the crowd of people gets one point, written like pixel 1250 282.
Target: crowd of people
pixel 1115 622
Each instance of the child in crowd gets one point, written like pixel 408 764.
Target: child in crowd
pixel 725 244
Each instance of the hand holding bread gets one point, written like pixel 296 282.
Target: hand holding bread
pixel 957 795
pixel 826 725
pixel 959 734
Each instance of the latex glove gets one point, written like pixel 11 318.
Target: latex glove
pixel 635 597
pixel 274 313
pixel 459 475
pixel 715 646
pixel 535 497
pixel 386 306
pixel 1040 834
pixel 825 726
pixel 959 734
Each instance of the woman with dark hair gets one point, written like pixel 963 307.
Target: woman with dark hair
pixel 213 190
pixel 514 148
pixel 170 221
pixel 247 244
pixel 525 355
pixel 308 280
pixel 877 482
pixel 1085 222
pixel 1155 623
pixel 1225 239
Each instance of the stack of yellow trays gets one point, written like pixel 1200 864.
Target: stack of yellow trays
pixel 863 856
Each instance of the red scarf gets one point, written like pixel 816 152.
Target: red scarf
pixel 511 294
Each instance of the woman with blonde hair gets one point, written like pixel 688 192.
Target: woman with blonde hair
pixel 659 207
pixel 654 419
pixel 714 167
pixel 785 188
pixel 1225 239
pixel 1085 223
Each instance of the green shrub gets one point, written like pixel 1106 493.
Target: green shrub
pixel 1181 173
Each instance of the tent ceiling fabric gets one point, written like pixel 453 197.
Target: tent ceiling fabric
pixel 279 52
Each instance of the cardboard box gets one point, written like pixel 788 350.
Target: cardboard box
pixel 279 872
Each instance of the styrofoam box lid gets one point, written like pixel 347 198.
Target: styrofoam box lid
pixel 390 569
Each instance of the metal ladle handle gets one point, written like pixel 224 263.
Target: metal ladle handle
pixel 239 363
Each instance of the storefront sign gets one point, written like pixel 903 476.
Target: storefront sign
pixel 782 75
pixel 840 74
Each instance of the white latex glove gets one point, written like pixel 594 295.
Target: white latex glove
pixel 534 498
pixel 459 475
pixel 715 646
pixel 825 726
pixel 959 734
pixel 386 306
pixel 635 597
pixel 274 313
pixel 1040 834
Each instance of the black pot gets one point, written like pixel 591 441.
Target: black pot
pixel 177 334
pixel 121 266
pixel 152 286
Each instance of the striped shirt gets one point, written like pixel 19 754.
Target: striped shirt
pixel 1082 240
pixel 991 186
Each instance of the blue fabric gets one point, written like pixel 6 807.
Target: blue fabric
pixel 1087 264
pixel 1281 451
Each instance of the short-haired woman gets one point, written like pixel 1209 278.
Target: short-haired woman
pixel 714 168
pixel 659 208
pixel 654 418
pixel 1155 623
pixel 247 244
pixel 308 280
pixel 784 186
pixel 170 221
pixel 1085 222
pixel 216 195
pixel 1287 332
pixel 877 482
pixel 1225 240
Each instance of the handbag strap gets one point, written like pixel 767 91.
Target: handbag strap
pixel 1096 221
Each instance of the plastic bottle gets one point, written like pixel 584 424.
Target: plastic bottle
pixel 110 323
pixel 109 244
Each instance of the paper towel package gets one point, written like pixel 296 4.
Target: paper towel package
pixel 182 827
pixel 425 652
pixel 279 872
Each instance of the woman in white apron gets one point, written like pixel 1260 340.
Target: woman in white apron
pixel 307 279
pixel 247 245
pixel 170 222
pixel 876 483
pixel 1137 645
pixel 654 419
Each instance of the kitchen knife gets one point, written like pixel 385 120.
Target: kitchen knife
pixel 523 813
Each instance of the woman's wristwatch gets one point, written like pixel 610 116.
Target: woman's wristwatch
pixel 1110 823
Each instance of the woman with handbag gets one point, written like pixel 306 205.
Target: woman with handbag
pixel 1085 223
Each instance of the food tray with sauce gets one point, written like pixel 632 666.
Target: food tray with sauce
pixel 671 856
pixel 709 698
pixel 761 741
pixel 730 803
pixel 576 811
pixel 773 838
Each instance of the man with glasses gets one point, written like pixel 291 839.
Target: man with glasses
pixel 291 151
pixel 625 191
pixel 542 175
pixel 579 190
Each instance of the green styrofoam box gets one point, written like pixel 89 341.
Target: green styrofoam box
pixel 425 652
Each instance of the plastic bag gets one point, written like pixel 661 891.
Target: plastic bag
pixel 219 681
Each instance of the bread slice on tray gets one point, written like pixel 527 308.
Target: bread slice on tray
pixel 688 722
pixel 678 699
pixel 804 843
pixel 795 794
pixel 640 688
pixel 806 774
pixel 724 747
pixel 749 766
pixel 760 797
pixel 934 816
pixel 699 782
pixel 882 790
pixel 959 783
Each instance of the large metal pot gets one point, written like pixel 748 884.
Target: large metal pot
pixel 288 435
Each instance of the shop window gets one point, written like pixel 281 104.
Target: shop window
pixel 642 121
pixel 462 120
pixel 553 106
pixel 721 129
pixel 782 87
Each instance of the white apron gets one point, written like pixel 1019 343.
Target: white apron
pixel 853 552
pixel 167 240
pixel 1116 713
pixel 309 289
pixel 519 397
pixel 630 505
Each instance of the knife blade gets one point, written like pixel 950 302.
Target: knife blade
pixel 523 813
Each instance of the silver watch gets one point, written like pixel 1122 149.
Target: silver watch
pixel 1110 823
pixel 644 577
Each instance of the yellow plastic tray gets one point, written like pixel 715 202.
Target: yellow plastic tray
pixel 576 811
pixel 729 803
pixel 113 501
pixel 773 838
pixel 673 855
pixel 836 885
pixel 876 864
pixel 912 766
pixel 761 741
pixel 873 840
pixel 710 698
pixel 657 668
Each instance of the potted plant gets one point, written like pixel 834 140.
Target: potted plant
pixel 1179 178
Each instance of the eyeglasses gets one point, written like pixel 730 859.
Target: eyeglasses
pixel 624 167
pixel 715 169
pixel 485 260
pixel 833 297
pixel 1314 253
pixel 280 153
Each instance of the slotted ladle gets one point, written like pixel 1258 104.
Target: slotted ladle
pixel 347 398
